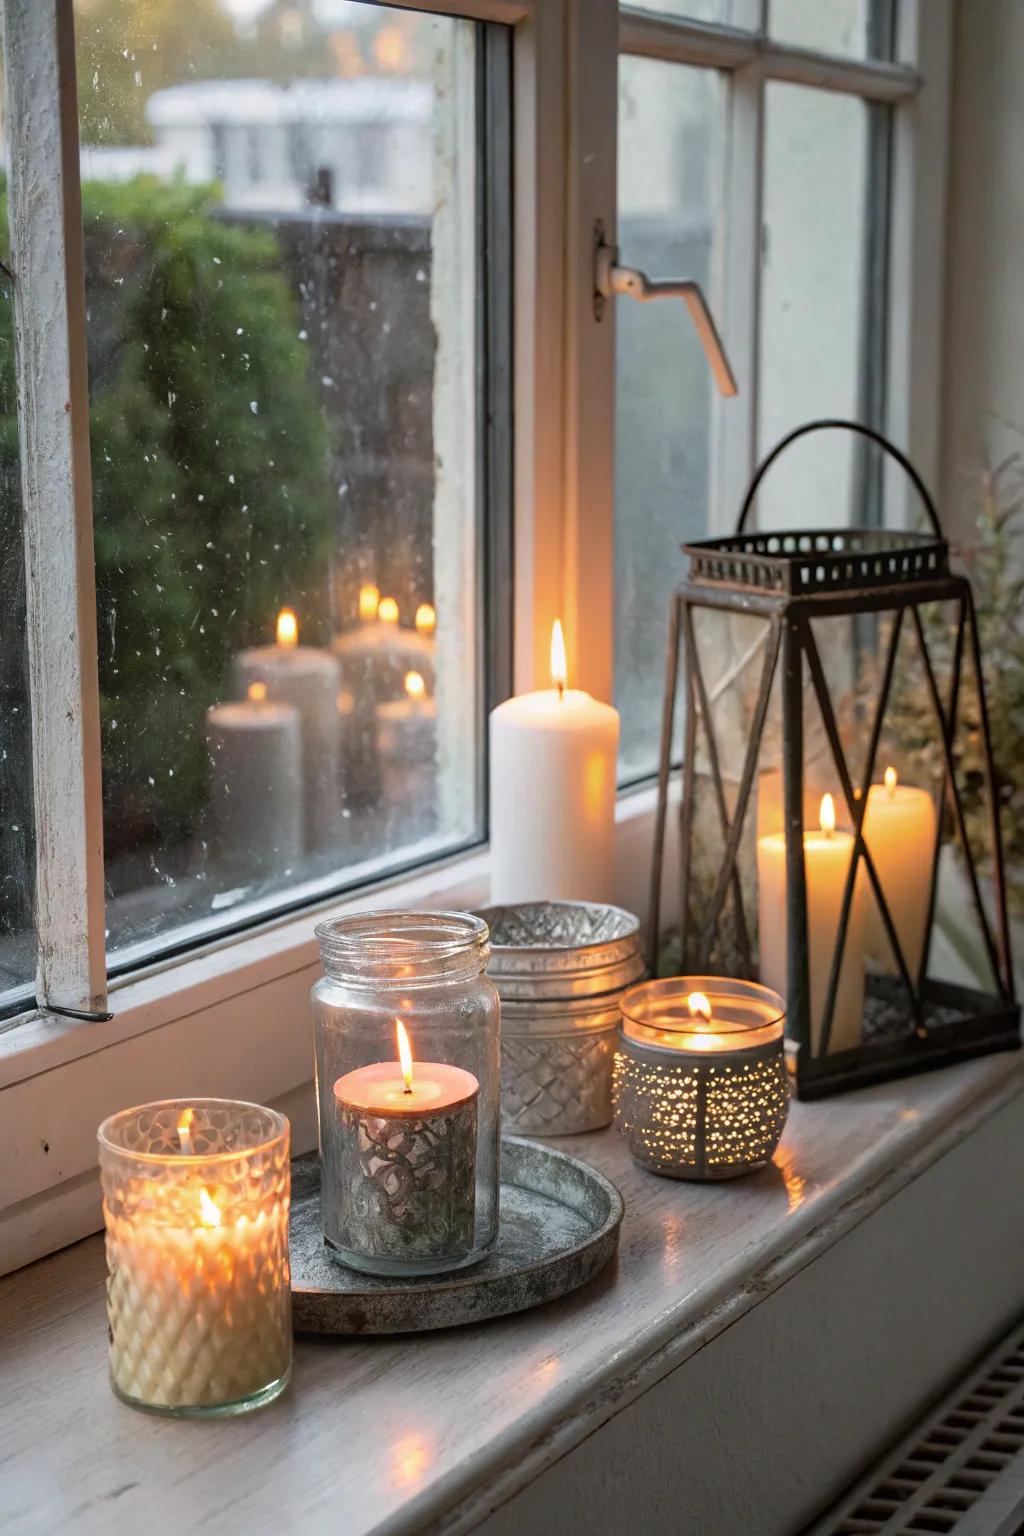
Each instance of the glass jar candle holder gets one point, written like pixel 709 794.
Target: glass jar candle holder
pixel 407 1036
pixel 700 1083
pixel 195 1199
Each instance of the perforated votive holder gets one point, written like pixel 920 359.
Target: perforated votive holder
pixel 700 1083
pixel 195 1199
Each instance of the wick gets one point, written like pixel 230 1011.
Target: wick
pixel 561 690
pixel 408 1088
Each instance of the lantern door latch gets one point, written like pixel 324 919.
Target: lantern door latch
pixel 610 279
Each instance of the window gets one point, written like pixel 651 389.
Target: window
pixel 290 348
pixel 766 179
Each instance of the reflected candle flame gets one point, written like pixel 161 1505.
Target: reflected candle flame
pixel 369 599
pixel 287 629
pixel 184 1132
pixel 827 815
pixel 257 693
pixel 559 669
pixel 415 687
pixel 387 610
pixel 426 619
pixel 404 1054
pixel 890 779
pixel 410 1458
pixel 794 1184
pixel 209 1214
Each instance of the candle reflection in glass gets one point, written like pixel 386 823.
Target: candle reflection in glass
pixel 701 1088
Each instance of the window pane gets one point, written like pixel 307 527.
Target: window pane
pixel 668 132
pixel 17 845
pixel 281 284
pixel 733 13
pixel 861 28
pixel 812 326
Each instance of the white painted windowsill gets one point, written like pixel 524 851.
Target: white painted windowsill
pixel 752 1347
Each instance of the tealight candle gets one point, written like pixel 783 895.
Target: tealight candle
pixel 553 779
pixel 900 832
pixel 701 1090
pixel 195 1201
pixel 827 856
pixel 403 1162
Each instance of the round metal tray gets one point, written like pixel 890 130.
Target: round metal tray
pixel 559 1226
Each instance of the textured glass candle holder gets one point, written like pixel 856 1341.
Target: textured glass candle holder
pixel 409 1162
pixel 700 1098
pixel 195 1199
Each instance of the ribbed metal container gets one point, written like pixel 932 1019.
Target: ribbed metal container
pixel 560 968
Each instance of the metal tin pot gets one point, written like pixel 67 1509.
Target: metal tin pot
pixel 560 968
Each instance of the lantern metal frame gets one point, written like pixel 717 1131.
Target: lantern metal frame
pixel 790 578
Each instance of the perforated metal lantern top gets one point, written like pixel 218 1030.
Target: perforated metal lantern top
pixel 815 659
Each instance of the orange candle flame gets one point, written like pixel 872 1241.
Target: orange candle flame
pixel 559 669
pixel 287 629
pixel 369 598
pixel 827 815
pixel 404 1054
pixel 184 1134
pixel 415 687
pixel 387 610
pixel 699 1006
pixel 257 692
pixel 426 619
pixel 890 779
pixel 209 1214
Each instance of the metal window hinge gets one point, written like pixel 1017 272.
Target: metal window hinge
pixel 610 279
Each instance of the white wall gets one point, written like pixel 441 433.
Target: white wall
pixel 984 331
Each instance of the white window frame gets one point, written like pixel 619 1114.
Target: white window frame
pixel 232 1018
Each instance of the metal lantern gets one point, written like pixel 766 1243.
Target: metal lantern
pixel 839 834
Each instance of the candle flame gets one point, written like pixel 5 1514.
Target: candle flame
pixel 209 1214
pixel 415 687
pixel 404 1054
pixel 369 598
pixel 257 692
pixel 890 779
pixel 559 670
pixel 287 629
pixel 827 815
pixel 184 1134
pixel 387 610
pixel 426 619
pixel 699 1006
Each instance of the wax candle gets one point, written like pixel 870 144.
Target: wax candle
pixel 552 801
pixel 900 831
pixel 404 1162
pixel 407 757
pixel 700 1082
pixel 255 750
pixel 827 856
pixel 195 1202
pixel 309 679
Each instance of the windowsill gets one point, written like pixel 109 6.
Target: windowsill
pixel 440 1432
pixel 229 1020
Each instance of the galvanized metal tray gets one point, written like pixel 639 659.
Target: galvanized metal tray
pixel 559 1227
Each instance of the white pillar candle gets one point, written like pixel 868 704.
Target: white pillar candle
pixel 900 832
pixel 553 759
pixel 407 755
pixel 827 856
pixel 309 679
pixel 255 749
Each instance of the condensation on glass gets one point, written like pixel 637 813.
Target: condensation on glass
pixel 280 247
pixel 813 300
pixel 669 143
pixel 17 835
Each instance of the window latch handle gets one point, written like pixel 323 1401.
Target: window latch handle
pixel 610 279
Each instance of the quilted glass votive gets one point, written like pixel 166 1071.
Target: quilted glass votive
pixel 195 1199
pixel 700 1083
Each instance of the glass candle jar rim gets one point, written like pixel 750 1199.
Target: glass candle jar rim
pixel 277 1128
pixel 364 947
pixel 738 991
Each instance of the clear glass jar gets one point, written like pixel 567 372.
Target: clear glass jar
pixel 409 1149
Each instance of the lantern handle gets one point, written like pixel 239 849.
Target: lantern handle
pixel 846 426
